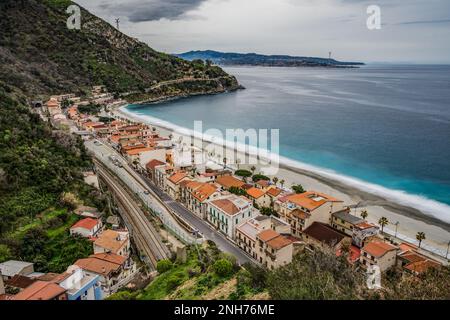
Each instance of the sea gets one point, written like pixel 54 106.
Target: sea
pixel 381 128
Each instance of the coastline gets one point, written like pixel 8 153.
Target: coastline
pixel 411 220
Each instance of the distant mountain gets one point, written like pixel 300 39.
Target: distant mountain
pixel 254 59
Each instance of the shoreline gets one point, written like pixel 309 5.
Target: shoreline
pixel 411 220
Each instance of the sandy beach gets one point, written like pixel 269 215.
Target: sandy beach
pixel 410 220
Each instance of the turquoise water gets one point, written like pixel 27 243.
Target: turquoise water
pixel 384 125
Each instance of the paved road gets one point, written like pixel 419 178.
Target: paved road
pixel 201 225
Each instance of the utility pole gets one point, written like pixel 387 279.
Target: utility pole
pixel 448 249
pixel 396 228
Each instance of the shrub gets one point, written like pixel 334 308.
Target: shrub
pixel 164 266
pixel 243 173
pixel 174 280
pixel 258 177
pixel 223 267
pixel 298 189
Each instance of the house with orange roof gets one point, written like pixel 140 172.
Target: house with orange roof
pixel 86 227
pixel 227 182
pixel 173 183
pixel 246 232
pixel 259 196
pixel 378 253
pixel 114 270
pixel 410 260
pixel 274 193
pixel 110 241
pixel 53 107
pixel 151 168
pixel 273 250
pixel 302 210
pixel 42 290
pixel 227 212
pixel 195 196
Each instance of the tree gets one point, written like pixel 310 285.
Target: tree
pixel 420 237
pixel 282 182
pixel 223 267
pixel 164 266
pixel 275 180
pixel 225 162
pixel 383 222
pixel 243 173
pixel 298 188
pixel 258 177
pixel 364 214
pixel 253 169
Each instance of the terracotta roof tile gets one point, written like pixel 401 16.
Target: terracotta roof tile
pixel 255 193
pixel 229 181
pixel 154 163
pixel 378 249
pixel 279 242
pixel 87 223
pixel 177 177
pixel 267 235
pixel 40 290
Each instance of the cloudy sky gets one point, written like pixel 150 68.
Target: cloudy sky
pixel 412 30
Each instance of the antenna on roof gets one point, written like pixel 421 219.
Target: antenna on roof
pixel 118 23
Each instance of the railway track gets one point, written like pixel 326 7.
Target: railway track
pixel 145 235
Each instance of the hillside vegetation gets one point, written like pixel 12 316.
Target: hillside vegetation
pixel 40 55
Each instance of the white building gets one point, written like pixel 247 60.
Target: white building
pixel 226 213
pixel 86 228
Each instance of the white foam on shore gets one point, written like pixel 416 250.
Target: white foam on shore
pixel 427 206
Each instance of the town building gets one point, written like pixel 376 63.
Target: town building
pixel 345 222
pixel 302 210
pixel 151 168
pixel 364 232
pixel 80 285
pixel 246 232
pixel 10 268
pixel 322 235
pixel 379 254
pixel 226 213
pixel 114 271
pixel 87 227
pixel 273 250
pixel 260 198
pixel 116 242
pixel 411 261
pixel 42 290
pixel 227 182
pixel 195 195
pixel 173 184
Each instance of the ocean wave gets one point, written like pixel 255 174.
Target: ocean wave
pixel 427 206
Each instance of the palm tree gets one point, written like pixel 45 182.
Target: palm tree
pixel 383 222
pixel 275 180
pixel 282 182
pixel 420 237
pixel 364 214
pixel 253 168
pixel 224 163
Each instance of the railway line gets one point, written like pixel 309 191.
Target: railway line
pixel 145 235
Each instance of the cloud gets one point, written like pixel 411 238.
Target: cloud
pixel 151 10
